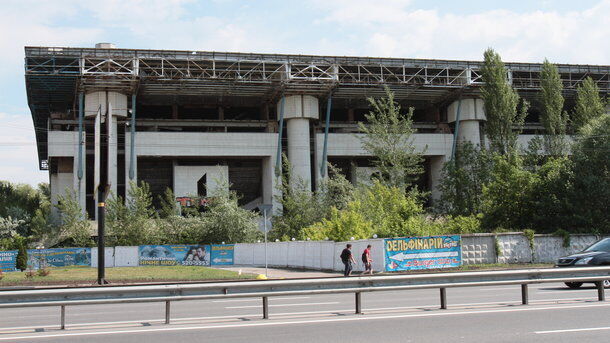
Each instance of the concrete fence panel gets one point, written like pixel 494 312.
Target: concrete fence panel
pixel 515 248
pixel 478 249
pixel 108 257
pixel 126 256
pixel 327 258
pixel 244 254
pixel 259 254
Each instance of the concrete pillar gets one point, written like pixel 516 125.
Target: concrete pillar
pixel 80 188
pixel 472 113
pixel 271 192
pixel 298 111
pixel 117 104
pixel 436 168
pixel 128 157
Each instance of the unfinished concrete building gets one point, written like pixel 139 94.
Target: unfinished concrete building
pixel 193 120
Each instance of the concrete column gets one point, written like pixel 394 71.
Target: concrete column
pixel 80 188
pixel 117 104
pixel 271 192
pixel 298 110
pixel 436 168
pixel 128 157
pixel 472 113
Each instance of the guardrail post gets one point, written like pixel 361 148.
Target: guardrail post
pixel 62 325
pixel 524 294
pixel 358 303
pixel 265 308
pixel 443 299
pixel 167 311
pixel 601 294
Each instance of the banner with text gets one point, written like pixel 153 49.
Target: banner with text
pixel 174 255
pixel 61 257
pixel 8 260
pixel 222 254
pixel 422 253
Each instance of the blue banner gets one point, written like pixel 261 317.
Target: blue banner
pixel 174 255
pixel 222 254
pixel 414 253
pixel 8 260
pixel 63 257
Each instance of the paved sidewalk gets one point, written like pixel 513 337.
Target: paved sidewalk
pixel 281 273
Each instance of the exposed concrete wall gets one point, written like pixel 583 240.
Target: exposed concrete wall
pixel 208 144
pixel 186 177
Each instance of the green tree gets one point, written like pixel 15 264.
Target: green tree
pixel 74 229
pixel 462 181
pixel 22 257
pixel 387 136
pixel 226 222
pixel 302 207
pixel 168 204
pixel 591 182
pixel 507 198
pixel 504 120
pixel 130 222
pixel 589 105
pixel 553 117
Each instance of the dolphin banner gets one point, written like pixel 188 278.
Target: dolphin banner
pixel 413 253
pixel 222 254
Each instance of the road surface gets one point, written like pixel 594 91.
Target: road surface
pixel 479 314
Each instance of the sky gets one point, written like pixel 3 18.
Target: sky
pixel 564 31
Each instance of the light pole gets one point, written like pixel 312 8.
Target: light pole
pixel 265 208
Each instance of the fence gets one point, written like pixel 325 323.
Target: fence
pixel 324 255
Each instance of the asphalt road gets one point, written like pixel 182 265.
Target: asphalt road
pixel 482 314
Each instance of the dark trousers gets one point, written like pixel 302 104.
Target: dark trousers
pixel 348 268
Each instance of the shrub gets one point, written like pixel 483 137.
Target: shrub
pixel 22 257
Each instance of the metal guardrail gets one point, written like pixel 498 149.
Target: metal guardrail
pixel 271 288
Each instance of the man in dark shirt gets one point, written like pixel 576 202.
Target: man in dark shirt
pixel 347 258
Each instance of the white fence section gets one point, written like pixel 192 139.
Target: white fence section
pixel 126 257
pixel 109 257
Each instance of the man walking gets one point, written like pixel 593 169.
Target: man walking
pixel 367 260
pixel 347 258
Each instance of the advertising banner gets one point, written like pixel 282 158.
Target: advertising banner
pixel 422 253
pixel 62 257
pixel 174 255
pixel 8 260
pixel 222 254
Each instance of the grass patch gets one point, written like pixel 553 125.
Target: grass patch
pixel 482 267
pixel 86 275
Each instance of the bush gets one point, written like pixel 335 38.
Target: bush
pixel 43 272
pixel 22 257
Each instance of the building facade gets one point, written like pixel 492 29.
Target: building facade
pixel 199 121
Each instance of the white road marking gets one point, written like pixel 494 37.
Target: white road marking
pixel 284 305
pixel 572 330
pixel 257 299
pixel 294 322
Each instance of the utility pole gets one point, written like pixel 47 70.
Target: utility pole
pixel 105 141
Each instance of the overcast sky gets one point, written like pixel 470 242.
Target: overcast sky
pixel 565 31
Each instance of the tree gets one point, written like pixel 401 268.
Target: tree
pixel 302 207
pixel 22 257
pixel 501 101
pixel 507 198
pixel 130 222
pixel 591 182
pixel 74 229
pixel 463 179
pixel 553 118
pixel 387 136
pixel 589 105
pixel 168 204
pixel 225 221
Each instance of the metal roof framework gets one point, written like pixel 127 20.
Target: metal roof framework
pixel 54 75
